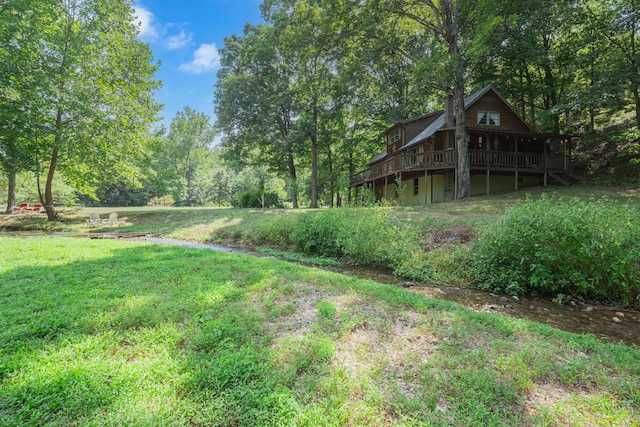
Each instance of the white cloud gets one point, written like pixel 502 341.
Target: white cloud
pixel 205 59
pixel 147 21
pixel 179 41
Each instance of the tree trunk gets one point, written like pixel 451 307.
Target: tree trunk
pixel 463 171
pixel 293 185
pixel 11 192
pixel 451 21
pixel 351 173
pixel 314 157
pixel 52 215
pixel 636 98
pixel 332 187
pixel 634 62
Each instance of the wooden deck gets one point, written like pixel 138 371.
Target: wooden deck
pixel 479 160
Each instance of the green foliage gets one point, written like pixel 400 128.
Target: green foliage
pixel 167 200
pixel 443 265
pixel 274 230
pixel 255 198
pixel 183 155
pixel 81 89
pixel 586 249
pixel 366 198
pixel 27 190
pixel 368 236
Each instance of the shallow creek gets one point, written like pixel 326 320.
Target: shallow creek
pixel 608 325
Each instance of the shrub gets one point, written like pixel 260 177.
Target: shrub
pixel 586 249
pixel 317 234
pixel 274 230
pixel 254 198
pixel 367 236
pixel 447 264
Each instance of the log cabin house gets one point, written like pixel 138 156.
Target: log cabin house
pixel 420 161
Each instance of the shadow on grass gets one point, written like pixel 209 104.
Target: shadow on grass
pixel 124 333
pixel 73 333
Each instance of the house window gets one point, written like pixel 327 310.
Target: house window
pixel 416 186
pixel 488 118
pixel 394 137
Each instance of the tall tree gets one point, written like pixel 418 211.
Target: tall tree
pixel 184 153
pixel 532 52
pixel 306 46
pixel 255 105
pixel 89 88
pixel 449 23
pixel 17 78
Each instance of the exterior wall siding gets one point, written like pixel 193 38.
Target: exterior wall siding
pixel 438 188
pixel 498 183
pixel 491 102
pixel 434 188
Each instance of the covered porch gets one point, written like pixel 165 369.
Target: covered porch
pixel 526 158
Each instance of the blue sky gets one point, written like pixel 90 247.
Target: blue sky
pixel 185 36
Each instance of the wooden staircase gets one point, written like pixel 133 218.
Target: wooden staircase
pixel 565 178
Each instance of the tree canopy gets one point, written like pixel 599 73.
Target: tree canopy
pixel 82 92
pixel 309 91
pixel 303 98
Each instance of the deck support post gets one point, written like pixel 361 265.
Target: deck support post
pixel 386 187
pixel 488 163
pixel 488 180
pixel 375 197
pixel 545 160
pixel 455 183
pixel 426 187
pixel 432 177
pixel 515 186
pixel 546 169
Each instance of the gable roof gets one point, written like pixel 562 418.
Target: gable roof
pixel 411 120
pixel 377 158
pixel 439 122
pixel 468 102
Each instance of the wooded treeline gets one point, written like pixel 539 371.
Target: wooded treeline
pixel 301 98
pixel 308 92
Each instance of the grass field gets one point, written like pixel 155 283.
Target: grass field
pixel 203 224
pixel 101 332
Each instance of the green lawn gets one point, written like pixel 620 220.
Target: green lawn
pixel 100 332
pixel 203 224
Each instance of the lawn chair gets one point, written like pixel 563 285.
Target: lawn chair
pixel 37 207
pixel 23 207
pixel 94 219
pixel 112 221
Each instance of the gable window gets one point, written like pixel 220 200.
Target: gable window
pixel 416 187
pixel 488 118
pixel 394 136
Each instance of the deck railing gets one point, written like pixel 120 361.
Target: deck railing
pixel 447 159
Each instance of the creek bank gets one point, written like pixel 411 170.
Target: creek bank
pixel 607 324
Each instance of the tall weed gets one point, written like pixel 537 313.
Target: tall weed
pixel 359 235
pixel 586 249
